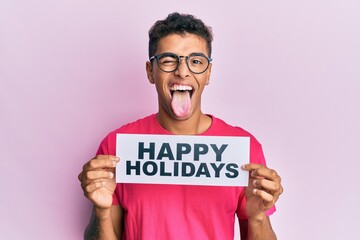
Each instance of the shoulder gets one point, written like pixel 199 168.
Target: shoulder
pixel 139 126
pixel 219 126
pixel 144 125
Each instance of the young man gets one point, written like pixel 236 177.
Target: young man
pixel 179 66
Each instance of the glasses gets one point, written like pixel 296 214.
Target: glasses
pixel 169 62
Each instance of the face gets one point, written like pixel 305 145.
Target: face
pixel 179 92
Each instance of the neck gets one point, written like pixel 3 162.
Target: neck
pixel 196 124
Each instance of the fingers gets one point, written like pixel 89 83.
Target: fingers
pixel 97 172
pixel 268 190
pixel 264 195
pixel 102 161
pixel 257 170
pixel 96 175
pixel 98 179
pixel 94 186
pixel 98 167
pixel 265 182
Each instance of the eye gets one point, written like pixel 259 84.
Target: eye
pixel 167 60
pixel 197 60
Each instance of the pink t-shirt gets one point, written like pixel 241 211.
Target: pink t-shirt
pixel 156 211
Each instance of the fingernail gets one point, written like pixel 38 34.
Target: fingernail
pixel 111 175
pixel 254 182
pixel 255 191
pixel 243 166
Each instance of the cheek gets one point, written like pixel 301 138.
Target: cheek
pixel 161 85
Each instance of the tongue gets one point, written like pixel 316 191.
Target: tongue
pixel 181 103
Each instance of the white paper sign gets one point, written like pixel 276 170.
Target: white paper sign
pixel 180 159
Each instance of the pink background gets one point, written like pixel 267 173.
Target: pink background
pixel 287 71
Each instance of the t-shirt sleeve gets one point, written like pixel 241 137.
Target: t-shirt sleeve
pixel 107 147
pixel 256 156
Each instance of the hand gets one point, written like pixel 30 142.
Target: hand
pixel 98 180
pixel 263 191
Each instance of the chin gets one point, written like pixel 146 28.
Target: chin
pixel 182 118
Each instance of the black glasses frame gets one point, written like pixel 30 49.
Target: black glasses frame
pixel 158 56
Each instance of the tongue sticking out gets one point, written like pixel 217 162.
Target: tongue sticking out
pixel 181 103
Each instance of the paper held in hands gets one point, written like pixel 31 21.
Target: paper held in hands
pixel 179 159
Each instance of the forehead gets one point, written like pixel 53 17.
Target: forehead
pixel 184 44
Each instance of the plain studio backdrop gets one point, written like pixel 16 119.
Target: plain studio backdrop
pixel 71 71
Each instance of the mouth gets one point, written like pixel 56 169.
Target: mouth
pixel 181 88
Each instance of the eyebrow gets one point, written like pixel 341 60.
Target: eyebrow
pixel 192 53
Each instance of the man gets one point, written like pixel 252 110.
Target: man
pixel 179 66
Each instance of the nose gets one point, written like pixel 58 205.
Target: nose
pixel 182 70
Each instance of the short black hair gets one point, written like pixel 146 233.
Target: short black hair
pixel 179 24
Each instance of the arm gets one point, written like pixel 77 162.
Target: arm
pixel 243 224
pixel 257 231
pixel 105 224
pixel 263 191
pixel 98 183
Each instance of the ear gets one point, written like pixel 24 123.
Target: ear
pixel 208 75
pixel 149 72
